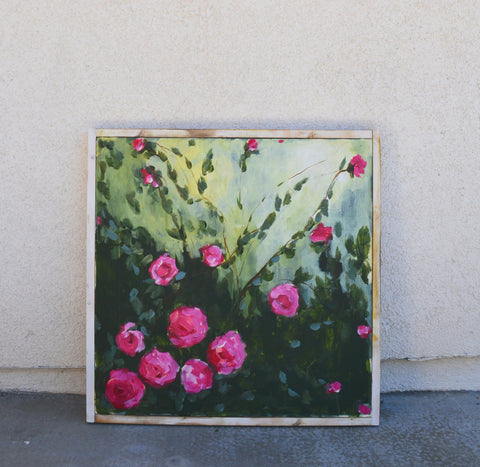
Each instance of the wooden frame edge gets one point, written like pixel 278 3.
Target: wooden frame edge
pixel 376 234
pixel 90 298
pixel 226 133
pixel 233 421
pixel 373 419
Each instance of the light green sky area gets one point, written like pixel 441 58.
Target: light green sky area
pixel 275 163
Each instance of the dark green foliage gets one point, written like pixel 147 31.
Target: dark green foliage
pixel 300 184
pixel 207 165
pixel 202 185
pixel 324 207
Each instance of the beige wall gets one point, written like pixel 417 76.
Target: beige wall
pixel 408 69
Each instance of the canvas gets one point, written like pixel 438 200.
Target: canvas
pixel 233 277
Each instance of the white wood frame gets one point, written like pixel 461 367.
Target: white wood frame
pixel 92 416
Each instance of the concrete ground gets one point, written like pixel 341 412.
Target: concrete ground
pixel 416 429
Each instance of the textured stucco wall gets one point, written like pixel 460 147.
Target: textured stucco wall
pixel 410 70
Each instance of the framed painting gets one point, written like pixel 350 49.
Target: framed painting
pixel 233 277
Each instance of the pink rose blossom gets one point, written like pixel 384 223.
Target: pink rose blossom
pixel 129 342
pixel 124 389
pixel 364 331
pixel 283 300
pixel 163 270
pixel 334 387
pixel 357 164
pixel 321 234
pixel 227 353
pixel 158 369
pixel 99 220
pixel 147 177
pixel 196 376
pixel 364 409
pixel 188 326
pixel 212 255
pixel 281 140
pixel 252 145
pixel 138 144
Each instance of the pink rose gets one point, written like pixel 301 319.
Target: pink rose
pixel 138 144
pixel 147 177
pixel 281 140
pixel 364 409
pixel 227 353
pixel 129 342
pixel 212 255
pixel 357 165
pixel 333 387
pixel 252 145
pixel 124 389
pixel 163 270
pixel 364 331
pixel 283 300
pixel 158 369
pixel 188 326
pixel 321 234
pixel 99 220
pixel 196 376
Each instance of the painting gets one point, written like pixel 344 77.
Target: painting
pixel 233 277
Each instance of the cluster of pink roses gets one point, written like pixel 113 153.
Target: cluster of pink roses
pixel 187 327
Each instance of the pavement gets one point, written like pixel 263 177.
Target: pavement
pixel 416 429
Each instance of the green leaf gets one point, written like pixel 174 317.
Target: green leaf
pixel 239 203
pixel 363 242
pixel 324 207
pixel 146 260
pixel 147 315
pixel 191 142
pixel 300 184
pixel 103 167
pixel 174 233
pixel 338 229
pixel 188 163
pixel 172 173
pixel 112 225
pixel 350 246
pixel 183 192
pixel 114 159
pixel 365 271
pixel 267 275
pixel 162 156
pixel 177 152
pixel 278 203
pixel 267 223
pixel 247 396
pixel 342 164
pixel 202 185
pixel 292 393
pixel 301 276
pixel 103 188
pixel 167 205
pixel 132 201
pixel 282 377
pixel 207 165
pixel 287 198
